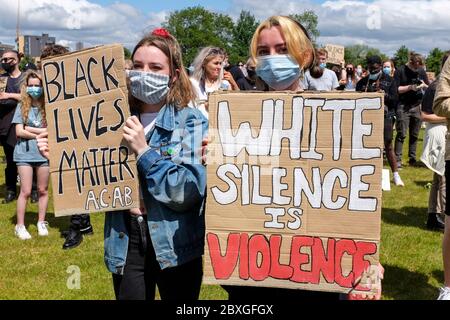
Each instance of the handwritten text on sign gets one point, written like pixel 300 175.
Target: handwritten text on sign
pixel 86 103
pixel 294 190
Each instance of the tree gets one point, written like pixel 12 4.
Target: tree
pixel 127 53
pixel 401 57
pixel 434 60
pixel 25 60
pixel 242 36
pixel 196 27
pixel 357 54
pixel 309 20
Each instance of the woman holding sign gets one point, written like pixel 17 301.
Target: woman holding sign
pixel 30 121
pixel 161 244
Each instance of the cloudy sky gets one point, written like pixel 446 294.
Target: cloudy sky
pixel 386 24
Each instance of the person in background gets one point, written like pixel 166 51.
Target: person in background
pixel 80 224
pixel 378 81
pixel 433 156
pixel 30 121
pixel 441 107
pixel 389 68
pixel 360 72
pixel 351 77
pixel 412 81
pixel 341 75
pixel 10 61
pixel 249 82
pixel 209 76
pixel 318 77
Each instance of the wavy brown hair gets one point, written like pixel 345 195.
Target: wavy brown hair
pixel 26 100
pixel 181 92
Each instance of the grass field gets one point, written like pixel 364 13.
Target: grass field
pixel 38 269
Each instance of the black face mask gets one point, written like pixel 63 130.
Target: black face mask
pixel 8 67
pixel 350 71
pixel 251 74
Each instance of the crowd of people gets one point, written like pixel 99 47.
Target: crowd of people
pixel 165 248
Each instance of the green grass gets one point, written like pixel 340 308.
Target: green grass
pixel 37 269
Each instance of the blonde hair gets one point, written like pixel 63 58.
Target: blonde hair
pixel 181 92
pixel 297 40
pixel 26 100
pixel 202 59
pixel 392 66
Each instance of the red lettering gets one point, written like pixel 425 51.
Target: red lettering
pixel 298 259
pixel 278 271
pixel 321 263
pixel 243 257
pixel 223 266
pixel 344 246
pixel 258 244
pixel 360 265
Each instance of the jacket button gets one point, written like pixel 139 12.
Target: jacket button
pixel 121 235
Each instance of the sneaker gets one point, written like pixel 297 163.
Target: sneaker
pixel 21 232
pixel 444 293
pixel 398 181
pixel 42 228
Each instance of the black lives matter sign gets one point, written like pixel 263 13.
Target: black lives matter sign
pixel 92 168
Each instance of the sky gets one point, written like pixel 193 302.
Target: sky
pixel 421 25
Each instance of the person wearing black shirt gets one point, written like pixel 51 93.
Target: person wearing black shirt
pixel 378 81
pixel 412 82
pixel 8 102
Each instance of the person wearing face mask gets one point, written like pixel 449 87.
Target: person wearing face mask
pixel 359 72
pixel 249 82
pixel 412 80
pixel 30 121
pixel 319 77
pixel 389 68
pixel 209 75
pixel 351 77
pixel 162 243
pixel 378 81
pixel 8 102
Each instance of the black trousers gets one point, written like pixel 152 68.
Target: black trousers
pixel 142 272
pixel 11 168
pixel 80 221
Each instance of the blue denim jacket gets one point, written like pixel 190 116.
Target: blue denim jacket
pixel 173 184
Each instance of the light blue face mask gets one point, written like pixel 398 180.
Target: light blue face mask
pixel 278 71
pixel 387 71
pixel 149 87
pixel 375 76
pixel 323 65
pixel 34 92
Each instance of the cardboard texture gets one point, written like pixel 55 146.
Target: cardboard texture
pixel 294 190
pixel 92 169
pixel 336 54
pixel 3 82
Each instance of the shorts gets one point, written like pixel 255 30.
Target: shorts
pixel 33 164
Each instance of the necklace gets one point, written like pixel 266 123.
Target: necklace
pixel 36 121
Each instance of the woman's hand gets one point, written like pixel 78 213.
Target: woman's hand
pixel 134 135
pixel 227 76
pixel 4 96
pixel 42 143
pixel 204 149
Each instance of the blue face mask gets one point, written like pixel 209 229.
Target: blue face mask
pixel 374 76
pixel 278 71
pixel 387 71
pixel 149 87
pixel 34 92
pixel 323 65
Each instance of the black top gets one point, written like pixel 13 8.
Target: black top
pixel 404 76
pixel 428 98
pixel 7 109
pixel 385 83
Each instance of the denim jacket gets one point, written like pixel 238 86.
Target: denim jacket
pixel 173 185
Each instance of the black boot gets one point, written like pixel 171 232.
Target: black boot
pixel 433 222
pixel 73 239
pixel 10 197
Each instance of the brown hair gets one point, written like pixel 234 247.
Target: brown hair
pixel 322 51
pixel 181 92
pixel 415 57
pixel 26 100
pixel 17 53
pixel 53 50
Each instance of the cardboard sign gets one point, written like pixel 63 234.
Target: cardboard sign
pixel 294 190
pixel 336 54
pixel 3 83
pixel 92 169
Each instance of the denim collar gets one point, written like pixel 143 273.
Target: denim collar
pixel 166 118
